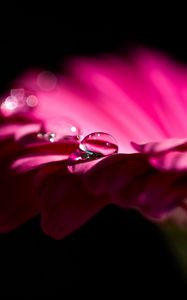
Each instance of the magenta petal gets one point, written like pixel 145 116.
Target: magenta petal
pixel 113 91
pixel 153 193
pixel 29 163
pixel 37 155
pixel 7 131
pixel 25 130
pixel 65 204
pixel 171 161
pixel 163 192
pixel 130 182
pixel 115 172
pixel 80 167
pixel 160 146
pixel 18 201
pixel 166 83
pixel 144 100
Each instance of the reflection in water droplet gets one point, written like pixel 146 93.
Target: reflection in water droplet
pixel 80 156
pixel 59 128
pixel 99 142
pixel 48 137
pixel 19 101
pixel 94 146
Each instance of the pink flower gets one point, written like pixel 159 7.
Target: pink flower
pixel 140 101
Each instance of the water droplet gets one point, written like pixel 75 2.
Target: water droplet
pixel 99 142
pixel 80 156
pixel 48 137
pixel 60 128
pixel 94 146
pixel 19 101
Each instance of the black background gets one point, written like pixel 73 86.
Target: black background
pixel 116 251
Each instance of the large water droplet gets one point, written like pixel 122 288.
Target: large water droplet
pixel 94 146
pixel 80 156
pixel 19 101
pixel 59 128
pixel 99 142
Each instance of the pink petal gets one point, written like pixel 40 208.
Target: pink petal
pixel 8 153
pixel 165 85
pixel 65 204
pixel 144 100
pixel 129 181
pixel 29 163
pixel 36 155
pixel 115 172
pixel 154 194
pixel 17 205
pixel 7 131
pixel 117 100
pixel 132 101
pixel 172 161
pixel 26 130
pixel 161 146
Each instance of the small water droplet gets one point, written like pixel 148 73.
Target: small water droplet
pixel 48 136
pixel 99 142
pixel 59 128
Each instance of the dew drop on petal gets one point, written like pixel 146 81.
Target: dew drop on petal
pixel 59 128
pixel 80 156
pixel 47 137
pixel 99 142
pixel 94 146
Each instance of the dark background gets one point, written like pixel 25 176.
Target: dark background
pixel 116 251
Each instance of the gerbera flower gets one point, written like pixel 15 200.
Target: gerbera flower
pixel 111 131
